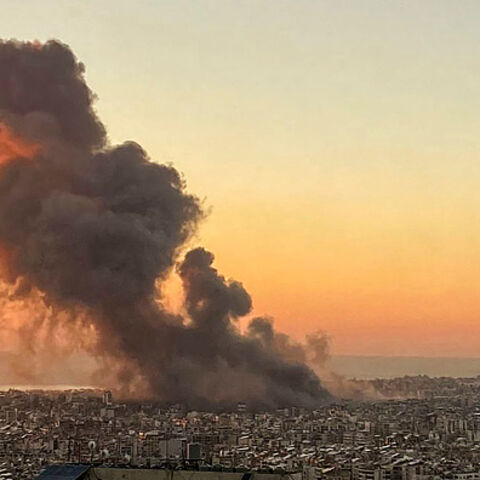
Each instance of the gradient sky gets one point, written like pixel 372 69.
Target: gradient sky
pixel 336 142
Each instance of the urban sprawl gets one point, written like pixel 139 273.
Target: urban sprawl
pixel 422 429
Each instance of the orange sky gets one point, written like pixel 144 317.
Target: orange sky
pixel 336 142
pixel 378 283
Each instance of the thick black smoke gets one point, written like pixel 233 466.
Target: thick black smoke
pixel 48 80
pixel 92 228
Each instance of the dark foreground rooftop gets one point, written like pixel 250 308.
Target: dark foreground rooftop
pixel 88 472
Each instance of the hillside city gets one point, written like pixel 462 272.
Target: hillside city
pixel 422 429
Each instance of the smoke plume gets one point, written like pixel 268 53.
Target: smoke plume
pixel 315 352
pixel 87 232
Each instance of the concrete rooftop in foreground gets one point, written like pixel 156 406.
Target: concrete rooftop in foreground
pixel 86 472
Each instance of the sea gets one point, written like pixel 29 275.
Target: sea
pixel 369 367
pixel 350 366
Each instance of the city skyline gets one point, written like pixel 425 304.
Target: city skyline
pixel 417 428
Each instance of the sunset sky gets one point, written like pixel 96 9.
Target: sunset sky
pixel 337 144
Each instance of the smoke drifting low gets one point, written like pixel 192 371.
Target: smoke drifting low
pixel 87 232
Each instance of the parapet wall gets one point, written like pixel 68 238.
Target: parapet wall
pixel 104 473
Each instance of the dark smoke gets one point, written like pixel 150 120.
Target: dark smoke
pixel 315 352
pixel 90 229
pixel 48 80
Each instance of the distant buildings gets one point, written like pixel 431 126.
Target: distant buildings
pixel 433 436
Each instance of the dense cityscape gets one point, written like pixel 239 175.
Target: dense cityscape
pixel 428 429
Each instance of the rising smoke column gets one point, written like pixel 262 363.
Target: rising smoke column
pixel 90 229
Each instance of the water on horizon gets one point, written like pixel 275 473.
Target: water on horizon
pixel 368 367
